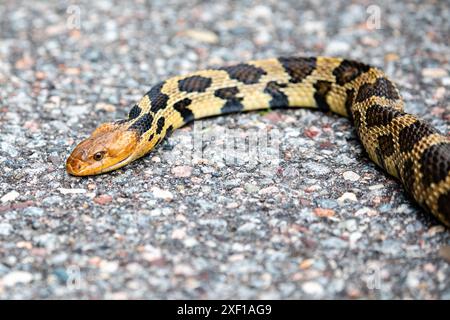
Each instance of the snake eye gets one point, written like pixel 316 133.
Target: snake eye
pixel 99 155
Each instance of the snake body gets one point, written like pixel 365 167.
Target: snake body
pixel 402 144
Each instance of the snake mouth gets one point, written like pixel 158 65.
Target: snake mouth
pixel 77 168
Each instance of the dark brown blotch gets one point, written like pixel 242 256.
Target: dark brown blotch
pixel 410 135
pixel 298 68
pixel 244 73
pixel 444 204
pixel 322 88
pixel 382 87
pixel 349 103
pixel 181 107
pixel 435 163
pixel 157 98
pixel 160 125
pixel 143 124
pixel 408 175
pixel 194 84
pixel 377 115
pixel 386 145
pixel 279 98
pixel 134 112
pixel 348 71
pixel 233 103
pixel 169 131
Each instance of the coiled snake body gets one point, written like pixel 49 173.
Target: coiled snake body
pixel 402 144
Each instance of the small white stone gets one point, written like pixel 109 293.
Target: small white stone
pixel 162 194
pixel 313 26
pixel 261 11
pixel 182 171
pixel 269 190
pixel 202 35
pixel 71 191
pixel 15 277
pixel 351 176
pixel 151 253
pixel 312 288
pixel 9 149
pixel 337 47
pixel 10 196
pixel 354 237
pixel 350 196
pixel 5 229
pixel 190 242
pixel 179 233
pixel 109 266
pixel 351 225
pixel 434 73
pixel 183 269
pixel 247 227
pixel 238 247
pixel 105 106
pixel 412 279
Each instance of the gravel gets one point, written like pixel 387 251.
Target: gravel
pixel 312 218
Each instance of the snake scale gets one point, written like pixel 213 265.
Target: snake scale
pixel 402 144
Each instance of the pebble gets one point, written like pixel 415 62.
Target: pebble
pixel 316 168
pixel 324 212
pixel 10 196
pixel 376 187
pixel 350 196
pixel 72 191
pixel 251 188
pixel 162 194
pixel 435 230
pixel 33 211
pixel 16 277
pixel 351 225
pixel 269 190
pixel 444 252
pixel 108 266
pixel 334 242
pixel 202 35
pixel 52 200
pixel 434 73
pixel 182 171
pixel 336 47
pixel 412 279
pixel 103 199
pixel 5 229
pixel 247 227
pixel 179 234
pixel 9 149
pixel 313 289
pixel 306 264
pixel 105 107
pixel 351 176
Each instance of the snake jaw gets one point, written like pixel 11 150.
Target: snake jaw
pixel 107 149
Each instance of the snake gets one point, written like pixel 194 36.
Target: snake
pixel 402 144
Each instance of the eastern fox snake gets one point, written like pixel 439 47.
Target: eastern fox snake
pixel 402 144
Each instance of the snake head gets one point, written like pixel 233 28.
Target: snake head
pixel 109 147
